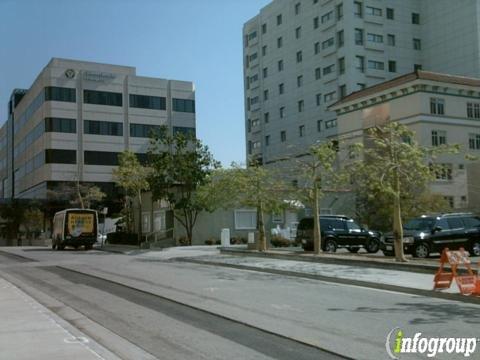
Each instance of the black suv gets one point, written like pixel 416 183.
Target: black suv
pixel 432 233
pixel 337 231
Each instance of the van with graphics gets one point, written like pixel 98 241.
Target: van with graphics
pixel 75 228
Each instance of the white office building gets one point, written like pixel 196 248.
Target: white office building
pixel 75 119
pixel 301 56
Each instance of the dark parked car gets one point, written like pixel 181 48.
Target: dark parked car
pixel 337 231
pixel 432 233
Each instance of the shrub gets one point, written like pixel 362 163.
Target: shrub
pixel 238 240
pixel 212 241
pixel 279 241
pixel 182 241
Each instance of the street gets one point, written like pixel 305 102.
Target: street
pixel 180 310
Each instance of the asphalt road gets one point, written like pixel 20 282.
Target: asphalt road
pixel 177 310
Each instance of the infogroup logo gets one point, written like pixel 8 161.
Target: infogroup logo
pixel 397 344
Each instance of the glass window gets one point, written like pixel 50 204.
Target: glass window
pixel 102 98
pixel 62 125
pixel 392 66
pixel 53 93
pixel 376 65
pixel 186 131
pixel 357 9
pixel 437 106
pixel 148 102
pixel 327 17
pixel 283 136
pixel 108 128
pixel 370 10
pixel 390 13
pixel 340 39
pixel 471 222
pixel 298 32
pixel 299 56
pixel 327 43
pixel 315 22
pixel 100 158
pixel 352 225
pixel 183 105
pixel 57 156
pixel 415 18
pixel 143 130
pixel 391 40
pixel 245 219
pixel 374 38
pixel 417 44
pixel 338 224
pixel 439 137
pixel 473 110
pixel 474 141
pixel 358 37
pixel 455 223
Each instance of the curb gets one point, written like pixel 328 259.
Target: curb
pixel 337 280
pixel 418 268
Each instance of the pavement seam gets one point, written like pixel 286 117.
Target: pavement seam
pixel 331 279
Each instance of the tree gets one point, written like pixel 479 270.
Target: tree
pixel 393 162
pixel 181 164
pixel 33 221
pixel 133 178
pixel 76 193
pixel 318 175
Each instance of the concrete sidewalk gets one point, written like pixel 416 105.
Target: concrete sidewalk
pixel 28 330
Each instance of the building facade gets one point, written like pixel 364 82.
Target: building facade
pixel 301 56
pixel 440 110
pixel 77 117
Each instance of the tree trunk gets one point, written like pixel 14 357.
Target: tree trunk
pixel 262 242
pixel 79 195
pixel 397 221
pixel 140 220
pixel 317 240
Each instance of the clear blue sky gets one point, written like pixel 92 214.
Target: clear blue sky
pixel 195 40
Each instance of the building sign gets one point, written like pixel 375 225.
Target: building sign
pixel 70 73
pixel 97 76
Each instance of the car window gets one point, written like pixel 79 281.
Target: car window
pixel 338 224
pixel 455 223
pixel 420 224
pixel 471 222
pixel 442 223
pixel 352 225
pixel 325 224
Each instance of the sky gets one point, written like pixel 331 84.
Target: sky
pixel 192 40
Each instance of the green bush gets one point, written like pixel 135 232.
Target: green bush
pixel 279 241
pixel 212 241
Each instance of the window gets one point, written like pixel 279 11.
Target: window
pixel 299 81
pixel 437 106
pixel 264 28
pixel 265 94
pixel 264 50
pixel 339 10
pixel 443 172
pixel 329 97
pixel 266 117
pixel 318 99
pixel 245 219
pixel 143 130
pixel 318 73
pixel 281 89
pixel 298 32
pixel 391 40
pixel 357 9
pixel 279 19
pixel 282 112
pixel 297 8
pixel 319 125
pixel 340 38
pixel 358 37
pixel 327 43
pixel 331 124
pixel 279 42
pixel 148 102
pixel 61 125
pixel 473 110
pixel 474 141
pixel 417 44
pixel 109 128
pixel 283 136
pixel 280 65
pixel 300 105
pixel 189 132
pixel 341 66
pixel 299 56
pixel 301 131
pixel 102 98
pixel 315 22
pixel 252 35
pixel 342 91
pixel 439 137
pixel 392 66
pixel 376 65
pixel 100 158
pixel 267 140
pixel 145 222
pixel 183 105
pixel 57 156
pixel 254 100
pixel 415 18
pixel 316 48
pixel 360 63
pixel 253 57
pixel 327 17
pixel 370 10
pixel 265 72
pixel 328 70
pixel 374 38
pixel 390 14
pixel 54 93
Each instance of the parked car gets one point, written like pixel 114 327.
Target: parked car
pixel 432 233
pixel 338 231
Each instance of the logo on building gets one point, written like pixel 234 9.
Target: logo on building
pixel 70 73
pixel 97 76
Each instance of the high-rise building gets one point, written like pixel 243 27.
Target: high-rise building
pixel 301 56
pixel 77 117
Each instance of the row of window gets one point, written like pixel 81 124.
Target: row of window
pixel 437 107
pixel 439 138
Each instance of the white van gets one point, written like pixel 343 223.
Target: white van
pixel 74 227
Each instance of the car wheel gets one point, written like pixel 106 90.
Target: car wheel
pixel 421 251
pixel 475 250
pixel 353 250
pixel 373 245
pixel 330 246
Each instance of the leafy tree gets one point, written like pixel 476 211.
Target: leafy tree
pixel 76 193
pixel 132 177
pixel 181 164
pixel 394 163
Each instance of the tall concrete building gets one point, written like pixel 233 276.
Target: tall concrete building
pixel 301 56
pixel 77 117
